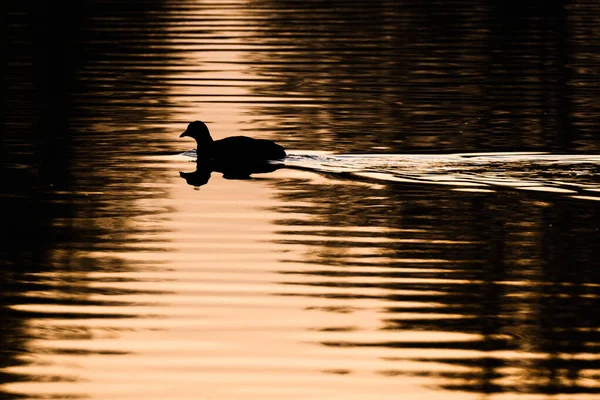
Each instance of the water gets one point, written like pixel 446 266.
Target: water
pixel 433 233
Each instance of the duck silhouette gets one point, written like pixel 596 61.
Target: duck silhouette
pixel 236 157
pixel 235 148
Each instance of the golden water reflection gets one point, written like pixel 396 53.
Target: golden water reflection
pixel 120 281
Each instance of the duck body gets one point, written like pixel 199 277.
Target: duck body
pixel 232 149
pixel 246 148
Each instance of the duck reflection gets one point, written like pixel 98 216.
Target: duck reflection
pixel 242 169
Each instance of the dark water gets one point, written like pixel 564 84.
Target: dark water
pixel 388 258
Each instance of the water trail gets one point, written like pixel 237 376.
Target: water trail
pixel 574 175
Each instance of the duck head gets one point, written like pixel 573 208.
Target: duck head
pixel 198 131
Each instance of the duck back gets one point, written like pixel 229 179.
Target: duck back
pixel 245 148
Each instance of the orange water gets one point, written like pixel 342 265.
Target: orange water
pixel 121 281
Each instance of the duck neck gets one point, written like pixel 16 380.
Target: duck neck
pixel 204 146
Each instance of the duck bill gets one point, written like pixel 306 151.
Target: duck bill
pixel 183 134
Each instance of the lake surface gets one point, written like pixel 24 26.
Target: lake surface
pixel 433 233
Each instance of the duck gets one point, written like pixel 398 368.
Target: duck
pixel 233 148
